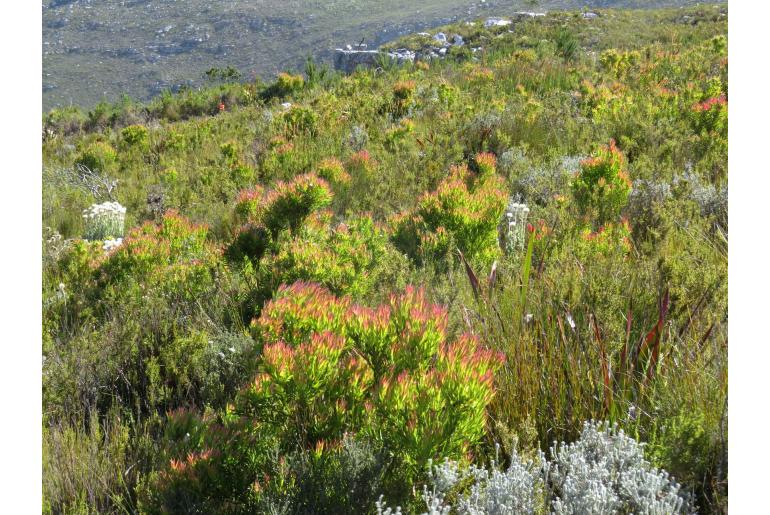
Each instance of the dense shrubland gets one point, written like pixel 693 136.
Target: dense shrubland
pixel 322 288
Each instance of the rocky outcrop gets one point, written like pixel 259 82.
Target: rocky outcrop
pixel 347 60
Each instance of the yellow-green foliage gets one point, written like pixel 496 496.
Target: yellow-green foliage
pixel 616 308
pixel 288 83
pixel 602 185
pixel 98 156
pixel 463 211
pixel 329 367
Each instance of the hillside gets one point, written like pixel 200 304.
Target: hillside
pixel 301 294
pixel 95 50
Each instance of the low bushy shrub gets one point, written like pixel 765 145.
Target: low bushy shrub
pixel 328 368
pixel 135 135
pixel 602 185
pixel 463 211
pixel 99 156
pixel 604 471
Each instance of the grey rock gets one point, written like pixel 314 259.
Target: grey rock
pixel 496 22
pixel 528 14
pixel 348 60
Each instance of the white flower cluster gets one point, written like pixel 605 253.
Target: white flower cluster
pixel 603 472
pixel 112 244
pixel 104 221
pixel 513 227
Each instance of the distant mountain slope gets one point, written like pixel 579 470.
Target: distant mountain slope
pixel 101 49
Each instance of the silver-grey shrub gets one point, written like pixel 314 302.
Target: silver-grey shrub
pixel 539 184
pixel 603 472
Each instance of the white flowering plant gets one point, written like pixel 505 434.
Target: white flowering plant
pixel 512 227
pixel 104 221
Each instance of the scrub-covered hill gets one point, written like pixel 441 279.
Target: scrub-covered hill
pixel 302 294
pixel 98 50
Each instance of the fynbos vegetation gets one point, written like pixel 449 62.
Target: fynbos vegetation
pixel 396 290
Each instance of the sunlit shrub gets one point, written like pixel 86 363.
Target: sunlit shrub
pixel 399 342
pixel 98 156
pixel 135 135
pixel 602 185
pixel 361 164
pixel 229 150
pixel 289 203
pixel 611 239
pixel 403 93
pixel 287 83
pixel 344 257
pixel 328 368
pixel 396 136
pixel 300 120
pixel 710 115
pixel 173 253
pixel 88 469
pixel 486 163
pixel 331 169
pixel 464 210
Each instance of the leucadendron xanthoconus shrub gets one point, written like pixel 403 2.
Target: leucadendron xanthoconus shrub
pixel 463 212
pixel 331 368
pixel 287 236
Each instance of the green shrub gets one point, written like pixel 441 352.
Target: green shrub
pixel 135 135
pixel 403 93
pixel 300 120
pixel 463 211
pixel 98 156
pixel 286 84
pixel 289 204
pixel 91 470
pixel 172 254
pixel 332 170
pixel 346 258
pixel 329 368
pixel 602 185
